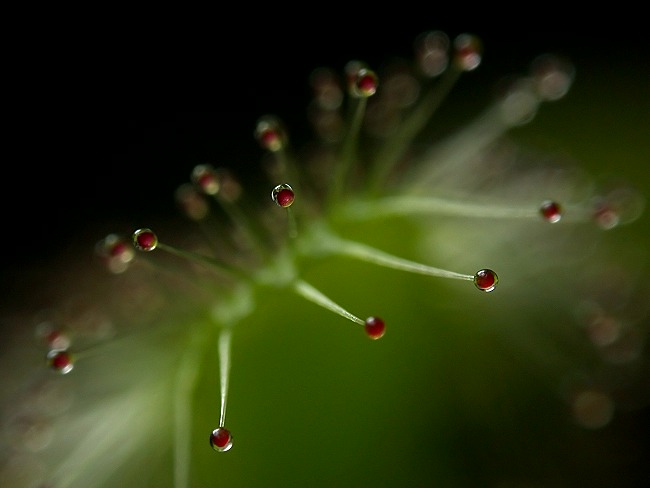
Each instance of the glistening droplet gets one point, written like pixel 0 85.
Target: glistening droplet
pixel 145 239
pixel 365 83
pixel 486 280
pixel 270 133
pixel 467 55
pixel 60 361
pixel 283 195
pixel 375 327
pixel 551 211
pixel 221 439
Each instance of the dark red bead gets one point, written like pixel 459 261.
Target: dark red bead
pixel 145 239
pixel 270 138
pixel 285 197
pixel 375 327
pixel 486 280
pixel 60 361
pixel 551 211
pixel 221 439
pixel 468 52
pixel 367 83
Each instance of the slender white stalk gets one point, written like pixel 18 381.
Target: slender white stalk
pixel 375 256
pixel 224 371
pixel 307 291
pixel 413 205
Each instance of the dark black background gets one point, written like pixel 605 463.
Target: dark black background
pixel 107 112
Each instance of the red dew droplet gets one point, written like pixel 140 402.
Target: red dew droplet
pixel 145 239
pixel 206 179
pixel 54 337
pixel 486 280
pixel 270 133
pixel 366 83
pixel 467 52
pixel 375 327
pixel 58 340
pixel 60 361
pixel 208 183
pixel 270 139
pixel 551 211
pixel 285 198
pixel 221 439
pixel 118 249
pixel 283 195
pixel 116 253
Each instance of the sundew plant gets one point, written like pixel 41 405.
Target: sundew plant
pixel 409 287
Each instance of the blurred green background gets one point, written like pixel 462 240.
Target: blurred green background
pixel 110 121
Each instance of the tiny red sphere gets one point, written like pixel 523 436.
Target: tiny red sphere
pixel 118 249
pixel 270 138
pixel 60 361
pixel 57 340
pixel 270 133
pixel 208 183
pixel 375 327
pixel 486 280
pixel 221 439
pixel 145 239
pixel 285 197
pixel 367 83
pixel 551 211
pixel 468 52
